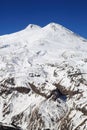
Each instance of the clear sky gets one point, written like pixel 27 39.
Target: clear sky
pixel 15 15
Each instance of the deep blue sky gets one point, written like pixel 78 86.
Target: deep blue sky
pixel 15 15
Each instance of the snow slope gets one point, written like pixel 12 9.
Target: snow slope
pixel 43 79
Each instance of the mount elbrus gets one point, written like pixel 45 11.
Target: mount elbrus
pixel 43 79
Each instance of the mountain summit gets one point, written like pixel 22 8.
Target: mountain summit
pixel 43 79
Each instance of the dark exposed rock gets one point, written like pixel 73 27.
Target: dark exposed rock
pixel 37 91
pixel 8 90
pixel 22 89
pixel 10 81
pixel 9 127
pixel 56 94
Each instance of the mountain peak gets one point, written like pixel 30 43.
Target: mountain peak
pixel 47 67
pixel 54 26
pixel 33 26
pixel 57 27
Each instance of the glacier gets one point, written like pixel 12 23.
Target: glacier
pixel 43 79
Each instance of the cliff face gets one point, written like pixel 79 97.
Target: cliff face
pixel 43 79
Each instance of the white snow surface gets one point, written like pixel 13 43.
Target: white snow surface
pixel 44 55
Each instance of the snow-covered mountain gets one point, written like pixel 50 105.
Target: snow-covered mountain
pixel 43 79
